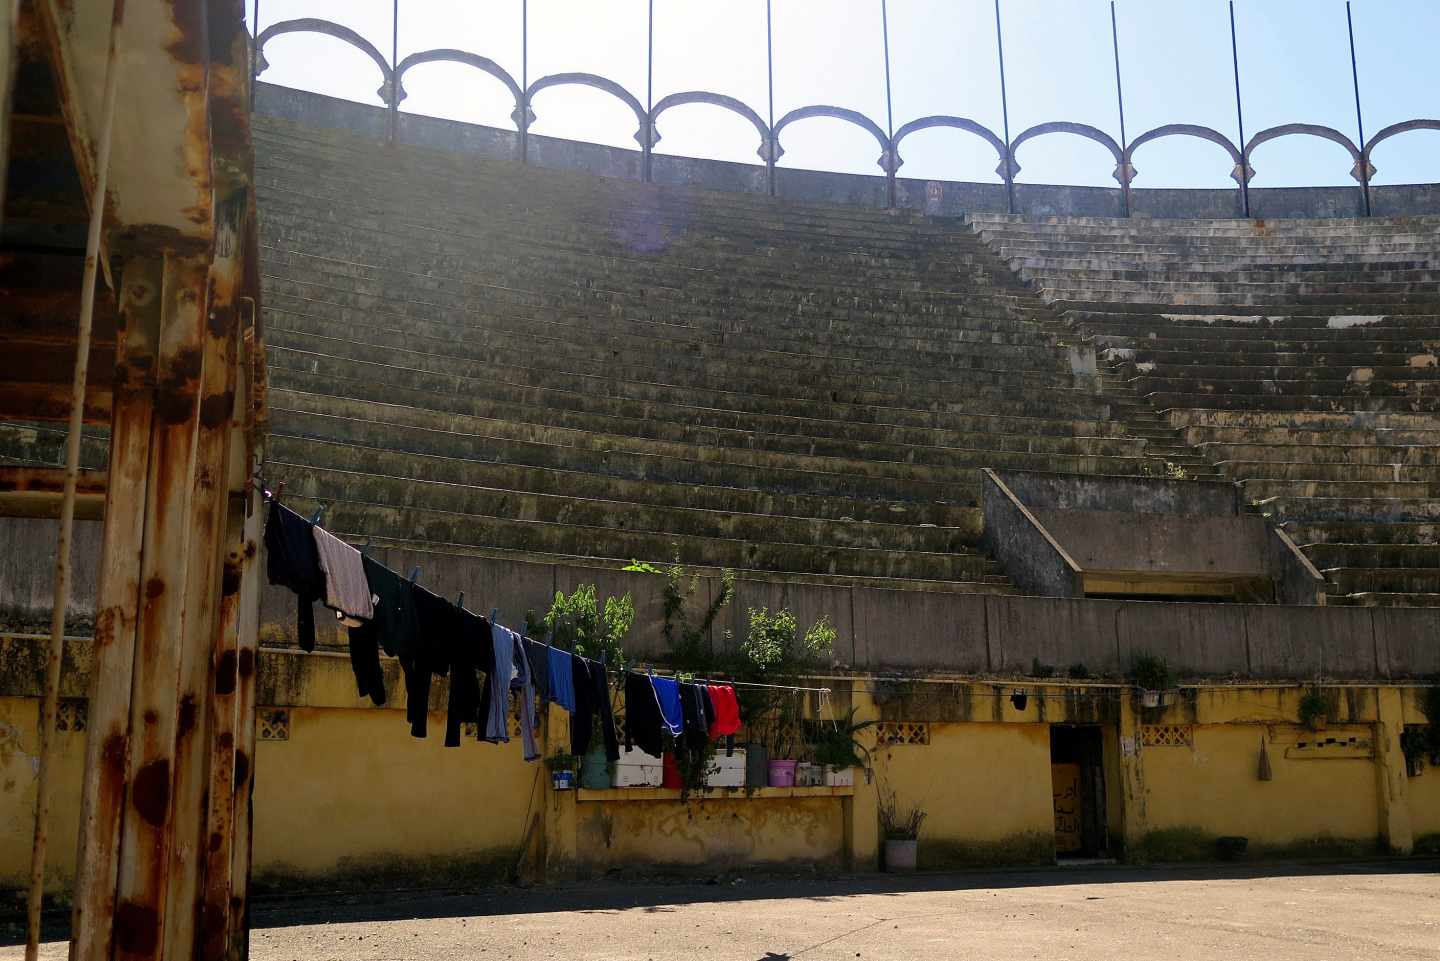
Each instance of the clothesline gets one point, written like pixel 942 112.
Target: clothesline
pixel 677 675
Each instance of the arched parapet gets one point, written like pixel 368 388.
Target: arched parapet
pixel 957 123
pixel 447 55
pixel 1391 131
pixel 769 150
pixel 1078 130
pixel 889 161
pixel 330 29
pixel 644 136
pixel 1184 130
pixel 1306 130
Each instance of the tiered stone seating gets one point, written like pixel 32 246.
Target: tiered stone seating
pixel 1300 357
pixel 484 358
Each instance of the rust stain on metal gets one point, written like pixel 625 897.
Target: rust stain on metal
pixel 175 400
pixel 187 715
pixel 137 928
pixel 227 741
pixel 247 662
pixel 151 791
pixel 225 675
pixel 112 757
pixel 215 409
pixel 230 580
pixel 242 769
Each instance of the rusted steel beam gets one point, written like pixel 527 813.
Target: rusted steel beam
pixel 38 491
pixel 167 561
pixel 20 401
pixel 117 612
pixel 9 35
pixel 208 545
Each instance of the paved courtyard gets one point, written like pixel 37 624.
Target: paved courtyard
pixel 1277 914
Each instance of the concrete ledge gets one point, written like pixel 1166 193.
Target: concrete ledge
pixel 588 795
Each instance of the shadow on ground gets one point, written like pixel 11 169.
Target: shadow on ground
pixel 320 907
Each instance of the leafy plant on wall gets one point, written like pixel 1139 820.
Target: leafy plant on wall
pixel 578 622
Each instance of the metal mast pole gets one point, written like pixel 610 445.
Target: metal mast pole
pixel 770 86
pixel 1005 112
pixel 1359 115
pixel 1240 116
pixel 890 152
pixel 1120 98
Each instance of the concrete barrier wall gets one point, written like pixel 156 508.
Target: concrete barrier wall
pixel 936 197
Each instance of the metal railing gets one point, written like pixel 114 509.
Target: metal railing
pixel 889 138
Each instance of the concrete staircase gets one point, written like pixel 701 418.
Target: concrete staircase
pixel 481 358
pixel 1298 357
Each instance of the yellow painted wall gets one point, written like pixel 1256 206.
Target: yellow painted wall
pixel 1214 786
pixel 19 764
pixel 720 833
pixel 352 786
pixel 1423 793
pixel 979 784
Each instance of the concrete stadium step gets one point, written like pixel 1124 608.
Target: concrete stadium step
pixel 1366 599
pixel 1319 452
pixel 448 529
pixel 1308 533
pixel 43 444
pixel 1385 580
pixel 1399 556
pixel 1310 470
pixel 1310 509
pixel 424 432
pixel 301 452
pixel 1261 488
pixel 1294 403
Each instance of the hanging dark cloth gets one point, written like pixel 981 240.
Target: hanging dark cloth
pixel 392 628
pixel 470 657
pixel 696 710
pixel 438 628
pixel 645 727
pixel 592 700
pixel 538 655
pixel 292 561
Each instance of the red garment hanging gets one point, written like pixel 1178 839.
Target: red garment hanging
pixel 727 710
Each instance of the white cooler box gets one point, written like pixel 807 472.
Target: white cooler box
pixel 726 771
pixel 638 769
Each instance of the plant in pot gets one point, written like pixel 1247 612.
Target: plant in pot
pixel 1152 676
pixel 562 770
pixel 836 748
pixel 901 829
pixel 1314 710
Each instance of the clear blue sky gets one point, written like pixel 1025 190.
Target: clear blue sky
pixel 1175 57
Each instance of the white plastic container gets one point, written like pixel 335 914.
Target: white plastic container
pixel 839 776
pixel 638 769
pixel 809 775
pixel 726 771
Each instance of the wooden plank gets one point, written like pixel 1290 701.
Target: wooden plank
pixel 117 615
pixel 37 492
pixel 166 562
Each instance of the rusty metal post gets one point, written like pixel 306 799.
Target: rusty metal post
pixel 1008 163
pixel 524 121
pixel 117 610
pixel 61 596
pixel 208 511
pixel 648 132
pixel 166 561
pixel 1120 99
pixel 1240 116
pixel 1359 115
pixel 773 147
pixel 247 669
pixel 891 157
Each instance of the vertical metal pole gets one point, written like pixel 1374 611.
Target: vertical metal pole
pixel 61 596
pixel 254 50
pixel 890 152
pixel 1240 116
pixel 770 86
pixel 1005 111
pixel 1359 116
pixel 649 131
pixel 394 72
pixel 1120 99
pixel 524 81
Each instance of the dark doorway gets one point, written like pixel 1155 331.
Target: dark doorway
pixel 1077 774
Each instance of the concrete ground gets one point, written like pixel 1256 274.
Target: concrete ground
pixel 1275 913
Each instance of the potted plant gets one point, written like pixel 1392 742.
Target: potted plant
pixel 784 748
pixel 595 769
pixel 839 751
pixel 901 828
pixel 562 770
pixel 1314 709
pixel 1152 677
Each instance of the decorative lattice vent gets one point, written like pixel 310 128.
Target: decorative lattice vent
pixel 273 724
pixel 889 733
pixel 72 715
pixel 1167 735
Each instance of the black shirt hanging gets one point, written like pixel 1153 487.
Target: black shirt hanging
pixel 292 561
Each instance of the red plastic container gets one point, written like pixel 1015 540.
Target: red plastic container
pixel 671 772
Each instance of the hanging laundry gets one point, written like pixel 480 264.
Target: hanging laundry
pixel 438 629
pixel 511 671
pixel 727 710
pixel 667 693
pixel 392 627
pixel 695 709
pixel 347 592
pixel 470 656
pixel 292 561
pixel 645 726
pixel 538 654
pixel 592 700
pixel 560 679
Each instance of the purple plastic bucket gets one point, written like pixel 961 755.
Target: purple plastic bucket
pixel 782 773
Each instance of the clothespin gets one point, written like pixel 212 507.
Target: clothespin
pixel 279 492
pixel 494 615
pixel 415 575
pixel 315 519
pixel 460 601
